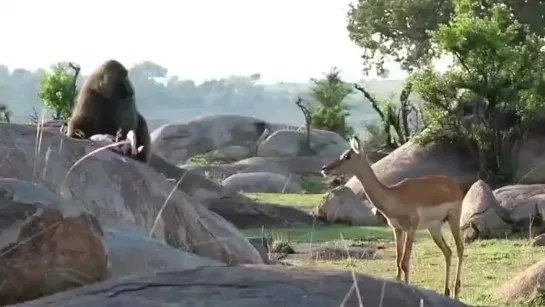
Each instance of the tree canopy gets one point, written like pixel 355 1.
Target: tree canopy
pixel 328 106
pixel 401 30
pixel 495 89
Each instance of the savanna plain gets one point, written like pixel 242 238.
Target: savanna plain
pixel 487 263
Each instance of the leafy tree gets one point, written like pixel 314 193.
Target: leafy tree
pixel 147 70
pixel 494 90
pixel 400 29
pixel 58 90
pixel 329 110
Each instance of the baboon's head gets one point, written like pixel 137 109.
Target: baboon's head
pixel 111 79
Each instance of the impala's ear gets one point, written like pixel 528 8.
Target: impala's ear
pixel 355 144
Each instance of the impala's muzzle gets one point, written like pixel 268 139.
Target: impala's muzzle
pixel 323 171
pixel 328 169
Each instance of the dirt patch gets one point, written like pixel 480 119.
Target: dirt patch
pixel 329 252
pixel 342 253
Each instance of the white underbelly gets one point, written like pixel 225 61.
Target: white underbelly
pixel 431 217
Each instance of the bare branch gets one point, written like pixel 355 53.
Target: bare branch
pixel 404 109
pixel 76 68
pixel 308 118
pixel 372 100
pixel 34 117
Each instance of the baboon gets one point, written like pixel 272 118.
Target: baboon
pixel 106 104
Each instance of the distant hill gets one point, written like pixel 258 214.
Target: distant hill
pixel 176 100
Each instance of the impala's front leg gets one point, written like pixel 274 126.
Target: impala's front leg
pixel 439 240
pixel 408 248
pixel 398 236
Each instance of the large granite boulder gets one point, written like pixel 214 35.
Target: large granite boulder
pixel 47 244
pixel 122 193
pixel 245 286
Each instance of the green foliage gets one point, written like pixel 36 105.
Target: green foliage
pixel 5 112
pixel 204 159
pixel 539 299
pixel 497 73
pixel 396 29
pixel 328 110
pixel 280 244
pixel 376 136
pixel 400 29
pixel 314 184
pixel 57 91
pixel 394 119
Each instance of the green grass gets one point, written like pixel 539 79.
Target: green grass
pixel 327 234
pixel 314 184
pixel 204 159
pixel 487 264
pixel 302 201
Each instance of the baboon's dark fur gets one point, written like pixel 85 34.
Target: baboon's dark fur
pixel 106 104
pixel 143 139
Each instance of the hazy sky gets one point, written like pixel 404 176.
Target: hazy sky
pixel 284 40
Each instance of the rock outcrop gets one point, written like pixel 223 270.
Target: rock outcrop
pixel 177 142
pixel 525 205
pixel 261 182
pixel 122 193
pixel 482 216
pixel 219 135
pixel 47 244
pixel 523 286
pixel 261 214
pixel 246 286
pixel 341 205
pixel 131 253
pixel 291 143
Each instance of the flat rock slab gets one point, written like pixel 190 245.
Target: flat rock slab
pixel 134 253
pixel 245 286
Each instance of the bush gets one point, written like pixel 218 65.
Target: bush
pixel 58 90
pixel 393 129
pixel 328 110
pixel 492 92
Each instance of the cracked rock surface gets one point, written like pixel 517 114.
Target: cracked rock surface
pixel 482 216
pixel 245 286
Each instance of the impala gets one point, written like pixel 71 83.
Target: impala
pixel 419 203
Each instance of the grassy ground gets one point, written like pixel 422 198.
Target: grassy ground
pixel 487 264
pixel 304 202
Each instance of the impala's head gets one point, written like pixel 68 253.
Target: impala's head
pixel 348 162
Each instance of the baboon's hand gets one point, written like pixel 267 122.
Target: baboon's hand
pixel 64 128
pixel 131 137
pixel 79 134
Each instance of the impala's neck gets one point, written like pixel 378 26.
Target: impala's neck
pixel 379 194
